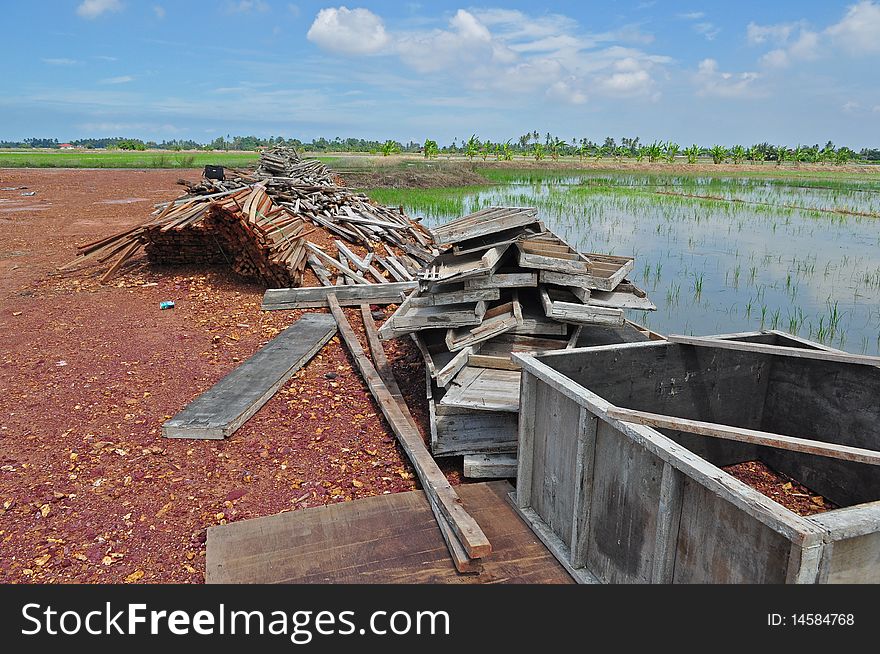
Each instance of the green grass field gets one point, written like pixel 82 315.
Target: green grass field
pixel 121 159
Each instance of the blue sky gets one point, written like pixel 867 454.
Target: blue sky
pixel 708 72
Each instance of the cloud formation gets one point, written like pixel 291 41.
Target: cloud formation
pixel 713 82
pixel 91 9
pixel 348 31
pixel 858 33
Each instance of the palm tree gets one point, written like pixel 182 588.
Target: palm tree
pixel 755 153
pixel 671 151
pixel 781 154
pixel 431 149
pixel 390 147
pixel 538 152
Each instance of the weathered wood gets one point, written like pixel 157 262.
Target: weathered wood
pixel 583 488
pixel 503 280
pixel 668 520
pixel 484 389
pixel 374 540
pixel 459 431
pixel 463 563
pixel 490 361
pixel 526 449
pixel 451 369
pixel 218 412
pixel 307 297
pixel 489 466
pixel 581 314
pixel 455 297
pixel 797 352
pixel 495 321
pixel 449 267
pixel 743 435
pixel 432 478
pixel 486 221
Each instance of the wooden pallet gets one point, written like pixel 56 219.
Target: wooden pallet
pixel 484 222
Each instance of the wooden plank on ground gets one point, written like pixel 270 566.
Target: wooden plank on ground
pixel 432 478
pixel 310 297
pixel 742 435
pixel 222 409
pixel 484 389
pixel 381 539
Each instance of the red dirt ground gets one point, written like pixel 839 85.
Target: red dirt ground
pixel 89 490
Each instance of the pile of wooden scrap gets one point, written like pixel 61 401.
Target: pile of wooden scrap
pixel 253 221
pixel 504 283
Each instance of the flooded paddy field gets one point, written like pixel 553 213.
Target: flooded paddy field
pixel 716 253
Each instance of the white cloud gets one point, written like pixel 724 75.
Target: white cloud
pixel 692 15
pixel 707 29
pixel 851 107
pixel 758 34
pixel 713 82
pixel 348 31
pixel 122 79
pixel 859 31
pixel 159 10
pixel 60 61
pixel 93 8
pixel 247 7
pixel 468 42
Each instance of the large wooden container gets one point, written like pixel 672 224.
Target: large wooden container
pixel 620 502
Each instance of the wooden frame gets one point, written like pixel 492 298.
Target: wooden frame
pixel 582 314
pixel 683 514
pixel 484 222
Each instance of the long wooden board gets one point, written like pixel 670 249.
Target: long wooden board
pixel 311 297
pixel 713 430
pixel 225 407
pixel 484 389
pixel 760 348
pixel 432 478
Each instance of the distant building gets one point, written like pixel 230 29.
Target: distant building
pixel 66 146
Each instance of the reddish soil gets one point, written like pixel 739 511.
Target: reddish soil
pixel 89 490
pixel 781 488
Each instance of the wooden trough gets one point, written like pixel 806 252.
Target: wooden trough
pixel 621 501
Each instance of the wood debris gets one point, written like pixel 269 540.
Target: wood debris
pixel 504 284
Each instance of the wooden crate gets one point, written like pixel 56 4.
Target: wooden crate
pixel 620 502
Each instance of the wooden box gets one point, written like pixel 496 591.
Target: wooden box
pixel 621 502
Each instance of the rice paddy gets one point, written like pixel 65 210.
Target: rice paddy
pixel 716 254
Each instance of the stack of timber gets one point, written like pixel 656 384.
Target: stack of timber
pixel 254 221
pixel 502 284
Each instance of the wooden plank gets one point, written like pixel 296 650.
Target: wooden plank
pixel 462 432
pixel 583 488
pixel 526 447
pixel 382 539
pixel 307 297
pixel 486 221
pixel 742 435
pixel 798 352
pixel 496 321
pixel 494 362
pixel 432 478
pixel 503 280
pixel 326 258
pixel 449 267
pixel 463 563
pixel 451 369
pixel 489 466
pixel 668 520
pixel 484 389
pixel 455 297
pixel 496 239
pixel 582 314
pixel 222 409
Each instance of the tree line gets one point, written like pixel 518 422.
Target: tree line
pixel 530 144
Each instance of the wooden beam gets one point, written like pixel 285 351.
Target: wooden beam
pixel 307 297
pixel 463 563
pixel 431 477
pixel 742 435
pixel 779 350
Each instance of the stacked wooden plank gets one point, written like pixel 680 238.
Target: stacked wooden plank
pixel 211 224
pixel 504 284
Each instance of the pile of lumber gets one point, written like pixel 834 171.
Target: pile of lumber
pixel 504 283
pixel 244 229
pixel 252 220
